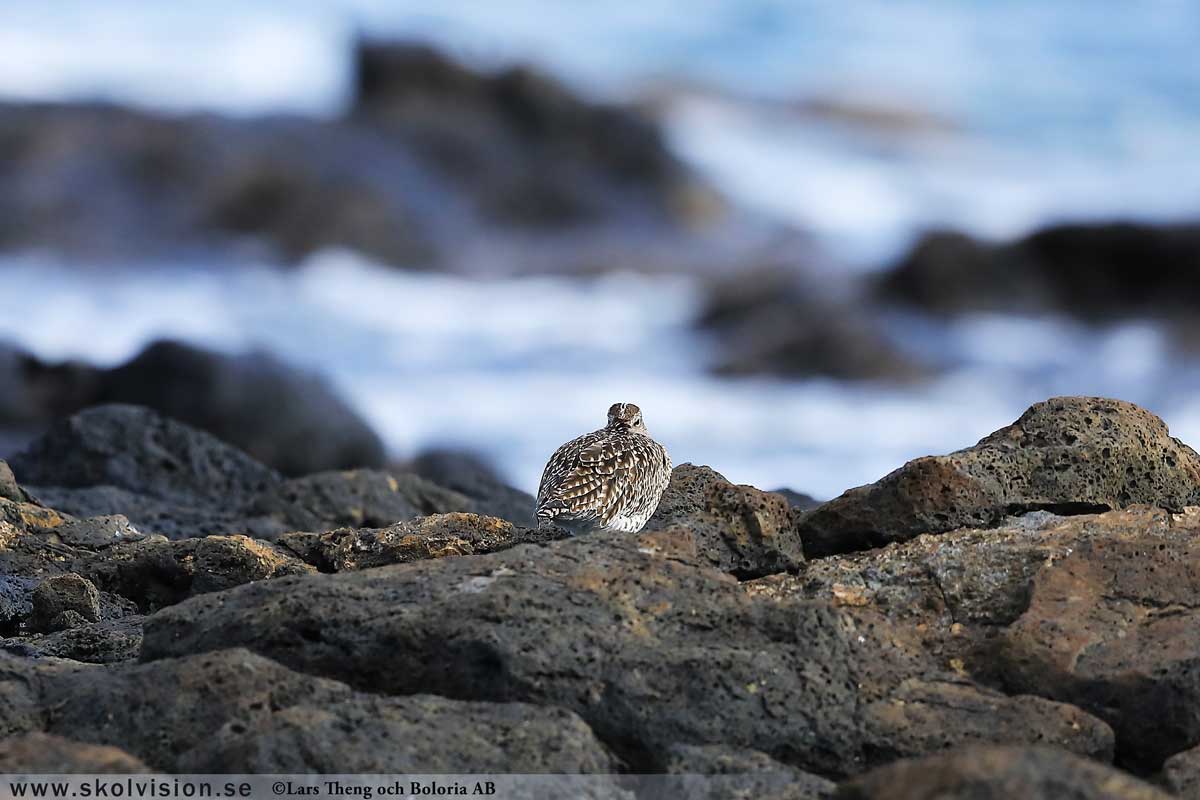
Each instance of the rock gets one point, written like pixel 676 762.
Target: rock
pixel 774 322
pixel 1091 610
pixel 1066 454
pixel 739 529
pixel 137 450
pixel 358 498
pixel 42 754
pixel 984 773
pixel 232 710
pixel 1094 271
pixel 798 500
pixel 9 490
pixel 1181 774
pixel 97 532
pixel 278 414
pixel 427 537
pixel 470 475
pixel 1112 626
pixel 69 593
pixel 629 631
pixel 105 642
pixel 716 771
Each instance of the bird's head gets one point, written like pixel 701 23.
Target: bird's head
pixel 626 416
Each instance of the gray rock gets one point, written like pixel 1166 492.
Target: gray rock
pixel 64 594
pixel 739 529
pixel 106 642
pixel 998 773
pixel 717 771
pixel 234 711
pixel 1066 454
pixel 630 632
pixel 470 475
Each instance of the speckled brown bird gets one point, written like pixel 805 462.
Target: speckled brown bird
pixel 610 479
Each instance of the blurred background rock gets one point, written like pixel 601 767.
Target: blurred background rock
pixel 811 241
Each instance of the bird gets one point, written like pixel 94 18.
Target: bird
pixel 607 480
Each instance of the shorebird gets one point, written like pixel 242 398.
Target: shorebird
pixel 609 480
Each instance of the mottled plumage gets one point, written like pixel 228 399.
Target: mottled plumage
pixel 610 479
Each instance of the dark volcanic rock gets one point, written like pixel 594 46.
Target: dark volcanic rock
pixel 798 500
pixel 432 160
pixel 716 771
pixel 434 536
pixel 739 529
pixel 169 478
pixel 280 415
pixel 998 773
pixel 1181 774
pixel 42 754
pixel 140 451
pixel 106 642
pixel 1093 610
pixel 63 594
pixel 775 323
pixel 470 475
pixel 234 711
pixel 1067 454
pixel 1113 269
pixel 629 631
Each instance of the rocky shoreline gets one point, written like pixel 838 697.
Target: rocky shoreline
pixel 1017 616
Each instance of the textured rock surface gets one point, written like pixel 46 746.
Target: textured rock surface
pixel 1181 774
pixel 42 754
pixel 1093 610
pixel 63 594
pixel 427 537
pixel 232 710
pixel 650 648
pixel 999 773
pixel 106 642
pixel 1065 454
pixel 738 529
pixel 716 771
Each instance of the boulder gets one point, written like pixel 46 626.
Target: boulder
pixel 717 771
pixel 278 414
pixel 138 451
pixel 1094 271
pixel 434 536
pixel 43 754
pixel 774 322
pixel 1181 774
pixel 470 475
pixel 998 773
pixel 109 641
pixel 1066 454
pixel 1091 610
pixel 63 594
pixel 632 632
pixel 233 711
pixel 739 529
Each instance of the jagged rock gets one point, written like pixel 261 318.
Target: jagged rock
pixel 232 710
pixel 798 500
pixel 63 594
pixel 739 529
pixel 434 536
pixel 1093 610
pixel 998 773
pixel 1067 454
pixel 106 642
pixel 43 754
pixel 468 474
pixel 9 490
pixel 630 632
